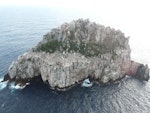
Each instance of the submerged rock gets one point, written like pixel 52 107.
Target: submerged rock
pixel 75 51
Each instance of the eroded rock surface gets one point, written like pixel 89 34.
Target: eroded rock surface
pixel 75 51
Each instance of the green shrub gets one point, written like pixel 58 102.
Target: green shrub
pixel 87 49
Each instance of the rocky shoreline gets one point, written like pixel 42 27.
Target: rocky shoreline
pixel 75 51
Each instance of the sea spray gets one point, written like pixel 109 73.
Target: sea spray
pixel 3 85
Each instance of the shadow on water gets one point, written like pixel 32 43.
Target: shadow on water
pixel 128 95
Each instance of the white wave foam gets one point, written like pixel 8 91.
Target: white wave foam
pixel 3 85
pixel 86 83
pixel 1 79
pixel 18 86
pixel 27 84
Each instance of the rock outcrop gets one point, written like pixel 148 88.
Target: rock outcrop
pixel 76 51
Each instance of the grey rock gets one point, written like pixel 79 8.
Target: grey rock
pixel 73 52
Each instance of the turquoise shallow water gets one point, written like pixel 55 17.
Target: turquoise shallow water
pixel 22 28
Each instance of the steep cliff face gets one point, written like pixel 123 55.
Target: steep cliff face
pixel 75 51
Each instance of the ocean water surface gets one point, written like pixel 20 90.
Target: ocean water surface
pixel 22 28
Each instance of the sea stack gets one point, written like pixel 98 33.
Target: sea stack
pixel 76 51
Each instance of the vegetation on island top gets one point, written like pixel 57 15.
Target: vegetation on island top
pixel 87 49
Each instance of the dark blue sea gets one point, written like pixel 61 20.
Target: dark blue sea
pixel 20 29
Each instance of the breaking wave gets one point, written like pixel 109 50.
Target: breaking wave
pixel 3 84
pixel 18 86
pixel 86 83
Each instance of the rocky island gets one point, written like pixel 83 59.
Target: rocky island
pixel 76 51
